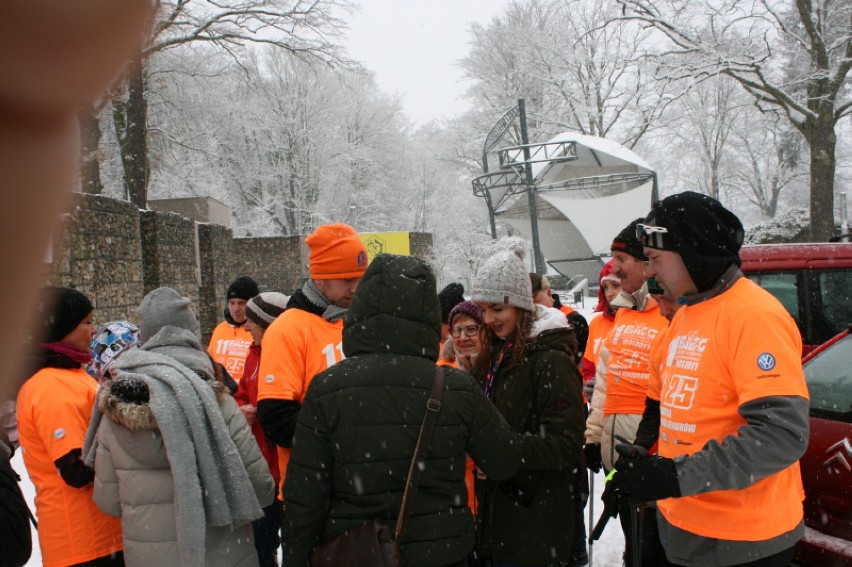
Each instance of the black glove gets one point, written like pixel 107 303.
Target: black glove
pixel 592 451
pixel 640 477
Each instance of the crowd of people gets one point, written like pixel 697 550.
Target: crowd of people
pixel 297 423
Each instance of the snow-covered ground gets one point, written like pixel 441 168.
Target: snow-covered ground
pixel 607 551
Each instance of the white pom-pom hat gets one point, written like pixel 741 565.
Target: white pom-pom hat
pixel 503 278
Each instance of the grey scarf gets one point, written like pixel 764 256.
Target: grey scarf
pixel 212 488
pixel 331 312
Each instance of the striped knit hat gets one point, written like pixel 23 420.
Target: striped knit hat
pixel 265 307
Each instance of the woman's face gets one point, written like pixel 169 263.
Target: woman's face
pixel 611 289
pixel 466 339
pixel 255 330
pixel 81 337
pixel 502 319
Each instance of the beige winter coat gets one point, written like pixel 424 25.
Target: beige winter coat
pixel 134 482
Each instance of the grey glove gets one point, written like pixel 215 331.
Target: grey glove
pixel 589 389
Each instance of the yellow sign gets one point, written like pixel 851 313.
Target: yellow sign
pixel 386 243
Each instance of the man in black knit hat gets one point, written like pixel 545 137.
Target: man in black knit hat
pixel 727 402
pixel 230 343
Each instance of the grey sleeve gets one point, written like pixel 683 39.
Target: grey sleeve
pixel 774 438
pixel 106 492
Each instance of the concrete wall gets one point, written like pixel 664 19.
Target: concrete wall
pixel 116 254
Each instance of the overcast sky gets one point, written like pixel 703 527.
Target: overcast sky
pixel 413 47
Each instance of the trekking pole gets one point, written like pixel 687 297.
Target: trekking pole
pixel 635 544
pixel 591 515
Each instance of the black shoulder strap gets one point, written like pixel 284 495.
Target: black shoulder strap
pixel 433 406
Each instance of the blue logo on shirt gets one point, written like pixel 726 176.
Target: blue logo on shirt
pixel 766 361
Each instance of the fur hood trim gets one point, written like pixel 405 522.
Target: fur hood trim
pixel 139 416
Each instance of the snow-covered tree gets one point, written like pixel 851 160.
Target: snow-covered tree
pixel 793 55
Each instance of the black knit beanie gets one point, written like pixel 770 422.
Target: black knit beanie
pixel 449 297
pixel 61 310
pixel 243 288
pixel 627 242
pixel 707 236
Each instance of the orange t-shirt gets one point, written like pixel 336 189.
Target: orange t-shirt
pixel 54 407
pixel 599 327
pixel 724 352
pixel 629 345
pixel 229 346
pixel 296 347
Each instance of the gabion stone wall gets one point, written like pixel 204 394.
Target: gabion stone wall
pixel 169 252
pixel 420 245
pixel 116 254
pixel 97 251
pixel 275 263
pixel 216 248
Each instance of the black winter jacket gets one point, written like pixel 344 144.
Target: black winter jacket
pixel 529 518
pixel 357 429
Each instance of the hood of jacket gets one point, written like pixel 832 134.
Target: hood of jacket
pixel 557 338
pixel 124 399
pixel 547 318
pixel 395 310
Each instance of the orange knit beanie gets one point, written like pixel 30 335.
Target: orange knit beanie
pixel 336 253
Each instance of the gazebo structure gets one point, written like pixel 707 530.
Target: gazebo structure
pixel 585 188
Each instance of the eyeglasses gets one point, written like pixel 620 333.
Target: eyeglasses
pixel 652 236
pixel 470 331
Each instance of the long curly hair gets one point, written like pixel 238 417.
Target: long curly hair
pixel 492 344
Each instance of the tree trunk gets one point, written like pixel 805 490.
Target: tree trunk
pixel 90 139
pixel 131 126
pixel 823 165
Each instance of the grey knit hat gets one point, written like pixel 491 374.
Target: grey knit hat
pixel 264 307
pixel 503 278
pixel 166 307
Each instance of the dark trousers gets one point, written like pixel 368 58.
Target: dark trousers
pixel 780 559
pixel 266 540
pixel 581 498
pixel 650 548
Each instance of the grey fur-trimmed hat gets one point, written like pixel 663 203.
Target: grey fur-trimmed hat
pixel 503 278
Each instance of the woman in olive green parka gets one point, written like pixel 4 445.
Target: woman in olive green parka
pixel 360 421
pixel 526 368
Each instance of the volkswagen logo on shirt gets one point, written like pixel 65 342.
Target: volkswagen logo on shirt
pixel 766 362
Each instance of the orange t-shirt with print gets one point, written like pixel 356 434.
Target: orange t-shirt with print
pixel 53 409
pixel 297 346
pixel 629 345
pixel 599 328
pixel 229 346
pixel 722 353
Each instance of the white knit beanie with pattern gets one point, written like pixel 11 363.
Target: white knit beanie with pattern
pixel 503 278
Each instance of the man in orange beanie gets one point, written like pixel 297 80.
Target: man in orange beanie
pixel 308 337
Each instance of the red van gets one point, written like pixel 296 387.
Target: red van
pixel 813 281
pixel 827 463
